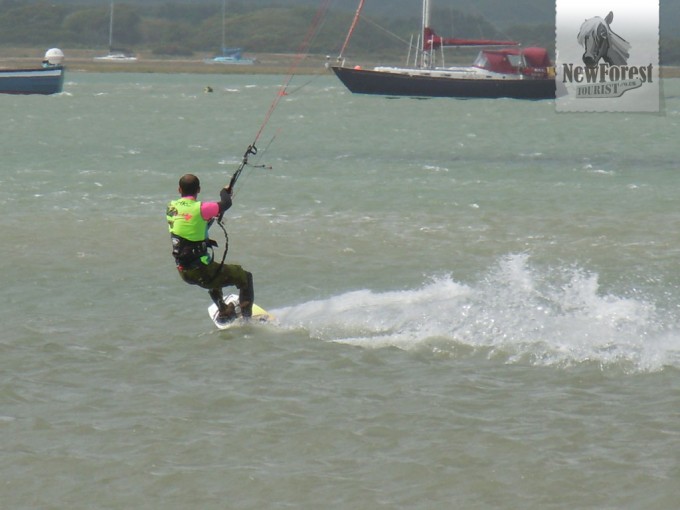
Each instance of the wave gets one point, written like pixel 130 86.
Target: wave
pixel 515 312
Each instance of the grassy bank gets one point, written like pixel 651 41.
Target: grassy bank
pixel 266 63
pixel 84 61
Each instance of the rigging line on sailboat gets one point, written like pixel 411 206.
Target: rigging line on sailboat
pixel 388 32
pixel 318 74
pixel 355 20
pixel 357 14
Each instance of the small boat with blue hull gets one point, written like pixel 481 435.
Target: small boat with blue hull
pixel 230 56
pixel 48 79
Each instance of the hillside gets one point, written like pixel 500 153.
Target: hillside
pixel 186 28
pixel 501 13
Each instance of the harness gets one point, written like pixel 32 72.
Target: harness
pixel 189 254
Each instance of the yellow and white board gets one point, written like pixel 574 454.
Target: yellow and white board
pixel 260 315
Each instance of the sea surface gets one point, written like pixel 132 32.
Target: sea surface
pixel 477 301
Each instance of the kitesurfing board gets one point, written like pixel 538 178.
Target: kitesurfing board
pixel 260 315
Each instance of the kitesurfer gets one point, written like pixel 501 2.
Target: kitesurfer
pixel 189 221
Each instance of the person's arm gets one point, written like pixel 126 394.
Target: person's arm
pixel 225 199
pixel 211 210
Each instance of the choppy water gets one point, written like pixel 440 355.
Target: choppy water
pixel 478 302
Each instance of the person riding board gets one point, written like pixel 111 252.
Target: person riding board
pixel 188 222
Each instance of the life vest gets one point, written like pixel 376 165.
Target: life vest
pixel 189 233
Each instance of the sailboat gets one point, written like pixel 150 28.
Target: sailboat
pixel 229 55
pixel 502 69
pixel 115 55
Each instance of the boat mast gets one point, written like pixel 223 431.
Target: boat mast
pixel 224 26
pixel 425 62
pixel 111 28
pixel 426 14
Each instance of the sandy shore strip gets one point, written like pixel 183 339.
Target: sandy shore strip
pixel 266 63
pixel 84 61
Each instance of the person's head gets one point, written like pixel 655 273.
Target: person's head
pixel 189 185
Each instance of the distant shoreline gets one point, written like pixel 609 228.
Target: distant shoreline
pixel 84 61
pixel 266 63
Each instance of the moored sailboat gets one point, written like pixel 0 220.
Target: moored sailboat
pixel 228 55
pixel 502 69
pixel 115 55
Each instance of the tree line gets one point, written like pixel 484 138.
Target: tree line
pixel 185 29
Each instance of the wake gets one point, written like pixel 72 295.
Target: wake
pixel 515 312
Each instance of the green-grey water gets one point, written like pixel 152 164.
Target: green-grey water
pixel 477 302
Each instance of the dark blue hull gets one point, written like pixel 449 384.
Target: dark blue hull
pixel 44 80
pixel 367 81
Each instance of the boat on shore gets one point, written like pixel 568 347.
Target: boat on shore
pixel 233 56
pixel 115 55
pixel 47 79
pixel 502 69
pixel 230 56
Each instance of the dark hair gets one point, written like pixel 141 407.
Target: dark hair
pixel 189 185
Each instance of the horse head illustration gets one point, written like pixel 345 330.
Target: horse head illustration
pixel 600 42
